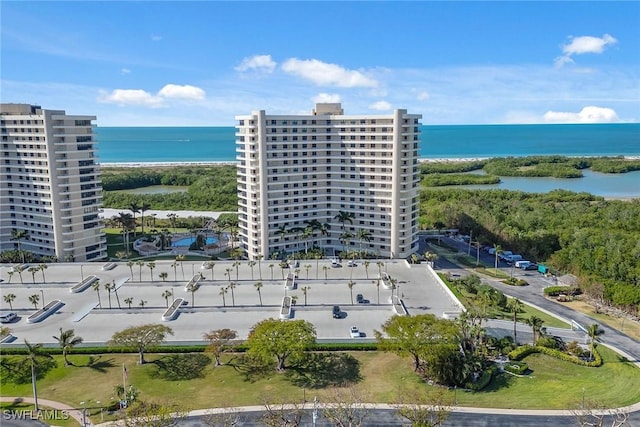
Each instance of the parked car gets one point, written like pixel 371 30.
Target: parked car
pixel 337 314
pixel 354 332
pixel 7 316
pixel 359 298
pixel 352 264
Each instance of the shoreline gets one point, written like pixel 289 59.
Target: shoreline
pixel 234 163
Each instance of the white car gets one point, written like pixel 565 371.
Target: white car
pixel 352 264
pixel 7 316
pixel 355 332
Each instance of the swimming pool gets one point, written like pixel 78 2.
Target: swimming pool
pixel 189 240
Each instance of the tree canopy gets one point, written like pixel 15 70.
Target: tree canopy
pixel 141 338
pixel 282 340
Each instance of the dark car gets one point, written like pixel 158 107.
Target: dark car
pixel 360 298
pixel 336 312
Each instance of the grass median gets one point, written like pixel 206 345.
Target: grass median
pixel 552 383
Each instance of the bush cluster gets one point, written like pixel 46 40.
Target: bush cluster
pixel 515 367
pixel 525 350
pixel 554 291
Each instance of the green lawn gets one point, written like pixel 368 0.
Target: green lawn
pixel 552 384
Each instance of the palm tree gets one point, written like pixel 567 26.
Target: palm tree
pixel 326 269
pixel 377 281
pixel 430 257
pixel 304 290
pixel 33 271
pixel 174 264
pixel 109 287
pixel 258 285
pixel 366 268
pixel 514 305
pixel 164 276
pixel 127 222
pixel 232 286
pixel 34 354
pixel 8 298
pixel 143 208
pixel 228 273
pixel 380 264
pixel 142 303
pixel 351 284
pixel 193 287
pixel 67 340
pixel 346 238
pixel 271 267
pixel 19 270
pixel 151 266
pixel 134 208
pixel 252 264
pixel 222 292
pixel 363 236
pixel 96 287
pixel 236 264
pixel 140 264
pixel 34 299
pixel 343 217
pixel 18 235
pixel 282 231
pixel 307 267
pixel 172 219
pixel 128 301
pixel 166 294
pixel 498 250
pixel 11 273
pixel 115 291
pixel 259 256
pixel 130 264
pixel 211 265
pixel 42 268
pixel 536 326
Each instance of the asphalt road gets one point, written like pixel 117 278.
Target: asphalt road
pixel 533 294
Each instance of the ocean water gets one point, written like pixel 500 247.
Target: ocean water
pixel 217 144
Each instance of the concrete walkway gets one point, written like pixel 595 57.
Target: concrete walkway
pixel 73 412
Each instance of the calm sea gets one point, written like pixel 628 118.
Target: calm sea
pixel 217 144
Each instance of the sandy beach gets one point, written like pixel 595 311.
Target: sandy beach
pixel 160 214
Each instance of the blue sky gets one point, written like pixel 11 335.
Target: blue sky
pixel 166 63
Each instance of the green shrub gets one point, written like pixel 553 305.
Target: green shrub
pixel 484 380
pixel 512 281
pixel 525 350
pixel 515 367
pixel 554 291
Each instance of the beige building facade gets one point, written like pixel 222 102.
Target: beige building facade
pixel 50 184
pixel 298 175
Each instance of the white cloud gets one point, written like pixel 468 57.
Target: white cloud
pixel 124 71
pixel 380 106
pixel 326 98
pixel 589 114
pixel 156 37
pixel 262 63
pixel 582 45
pixel 422 95
pixel 143 98
pixel 181 92
pixel 131 97
pixel 324 74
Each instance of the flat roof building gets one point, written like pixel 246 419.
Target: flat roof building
pixel 328 180
pixel 50 184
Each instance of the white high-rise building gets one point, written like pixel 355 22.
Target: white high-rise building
pixel 50 184
pixel 305 172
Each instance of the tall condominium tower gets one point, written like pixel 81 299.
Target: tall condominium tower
pixel 49 184
pixel 329 180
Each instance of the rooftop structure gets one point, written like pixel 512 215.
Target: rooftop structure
pixel 338 182
pixel 50 188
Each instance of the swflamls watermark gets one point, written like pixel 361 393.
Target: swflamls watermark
pixel 32 414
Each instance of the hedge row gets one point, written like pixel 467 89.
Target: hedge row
pixel 554 291
pixel 515 367
pixel 525 350
pixel 484 379
pixel 240 348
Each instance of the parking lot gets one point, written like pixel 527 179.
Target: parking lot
pixel 239 310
